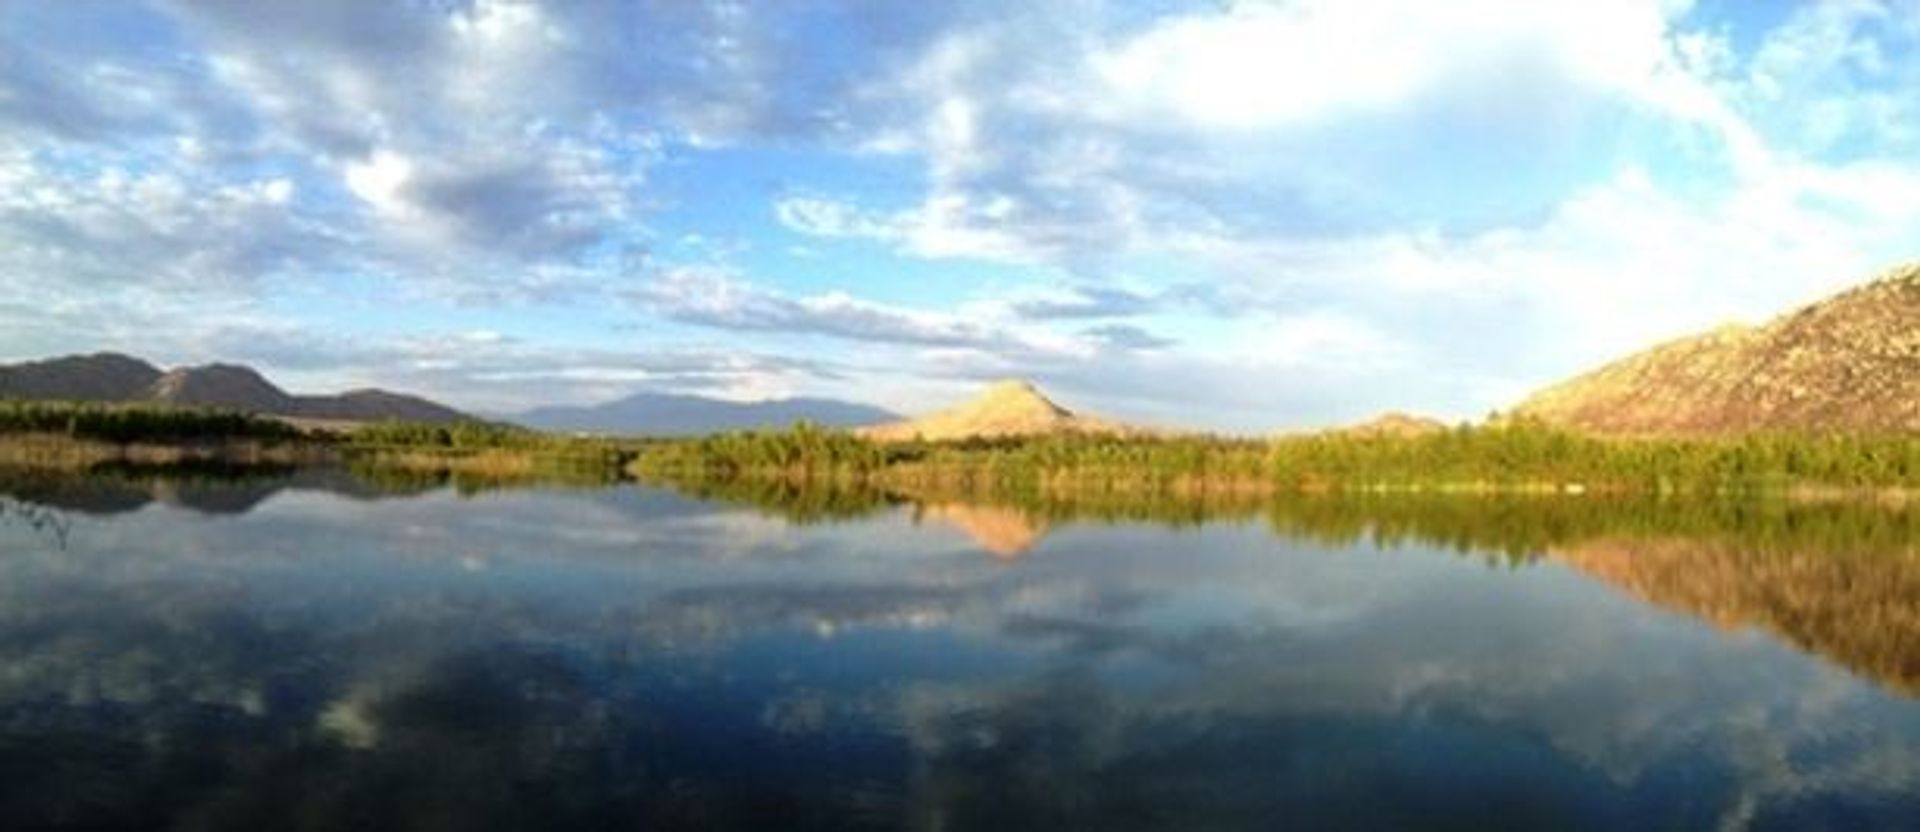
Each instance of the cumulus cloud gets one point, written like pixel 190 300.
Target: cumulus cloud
pixel 1088 301
pixel 1831 78
pixel 67 228
pixel 709 297
pixel 1047 138
pixel 1127 337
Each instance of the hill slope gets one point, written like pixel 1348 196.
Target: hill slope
pixel 1850 362
pixel 221 385
pixel 1393 424
pixel 111 377
pixel 101 377
pixel 665 414
pixel 1007 408
pixel 373 405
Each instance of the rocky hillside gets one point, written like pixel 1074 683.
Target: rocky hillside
pixel 111 377
pixel 1007 408
pixel 1850 362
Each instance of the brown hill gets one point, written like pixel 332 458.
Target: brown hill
pixel 101 377
pixel 110 377
pixel 1394 424
pixel 1005 409
pixel 222 385
pixel 1850 362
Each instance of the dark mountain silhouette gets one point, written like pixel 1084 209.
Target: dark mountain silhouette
pixel 668 414
pixel 101 377
pixel 112 377
pixel 371 404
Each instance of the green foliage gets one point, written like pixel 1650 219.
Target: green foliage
pixel 473 436
pixel 803 451
pixel 1506 528
pixel 125 423
pixel 469 435
pixel 1516 456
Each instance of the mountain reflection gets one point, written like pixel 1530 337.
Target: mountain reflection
pixel 1857 607
pixel 336 655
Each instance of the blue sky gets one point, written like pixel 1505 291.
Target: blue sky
pixel 1248 216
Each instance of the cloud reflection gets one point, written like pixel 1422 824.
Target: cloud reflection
pixel 332 659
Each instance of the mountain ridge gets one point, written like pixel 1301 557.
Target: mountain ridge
pixel 674 414
pixel 117 377
pixel 1848 362
pixel 92 377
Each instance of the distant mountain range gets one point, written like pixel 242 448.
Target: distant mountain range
pixel 667 414
pixel 1850 362
pixel 112 377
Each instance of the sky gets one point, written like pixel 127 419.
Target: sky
pixel 1245 216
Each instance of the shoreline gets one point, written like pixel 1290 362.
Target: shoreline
pixel 956 470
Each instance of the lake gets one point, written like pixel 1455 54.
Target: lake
pixel 320 651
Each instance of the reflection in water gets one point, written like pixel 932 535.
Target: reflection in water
pixel 46 521
pixel 1001 531
pixel 628 658
pixel 1858 607
pixel 1837 578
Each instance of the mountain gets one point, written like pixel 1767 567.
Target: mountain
pixel 222 385
pixel 101 377
pixel 373 405
pixel 666 414
pixel 111 377
pixel 1850 362
pixel 1393 424
pixel 1007 408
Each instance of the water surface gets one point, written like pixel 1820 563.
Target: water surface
pixel 318 652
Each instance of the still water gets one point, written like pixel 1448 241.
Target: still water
pixel 312 653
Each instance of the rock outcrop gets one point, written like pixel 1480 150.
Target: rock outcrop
pixel 1847 363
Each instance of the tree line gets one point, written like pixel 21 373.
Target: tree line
pixel 125 423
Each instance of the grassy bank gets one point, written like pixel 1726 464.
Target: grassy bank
pixel 77 436
pixel 1502 459
pixel 82 436
pixel 487 451
pixel 1512 458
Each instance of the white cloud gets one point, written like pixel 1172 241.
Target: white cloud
pixel 1831 75
pixel 823 217
pixel 74 230
pixel 713 297
pixel 1266 65
pixel 378 180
